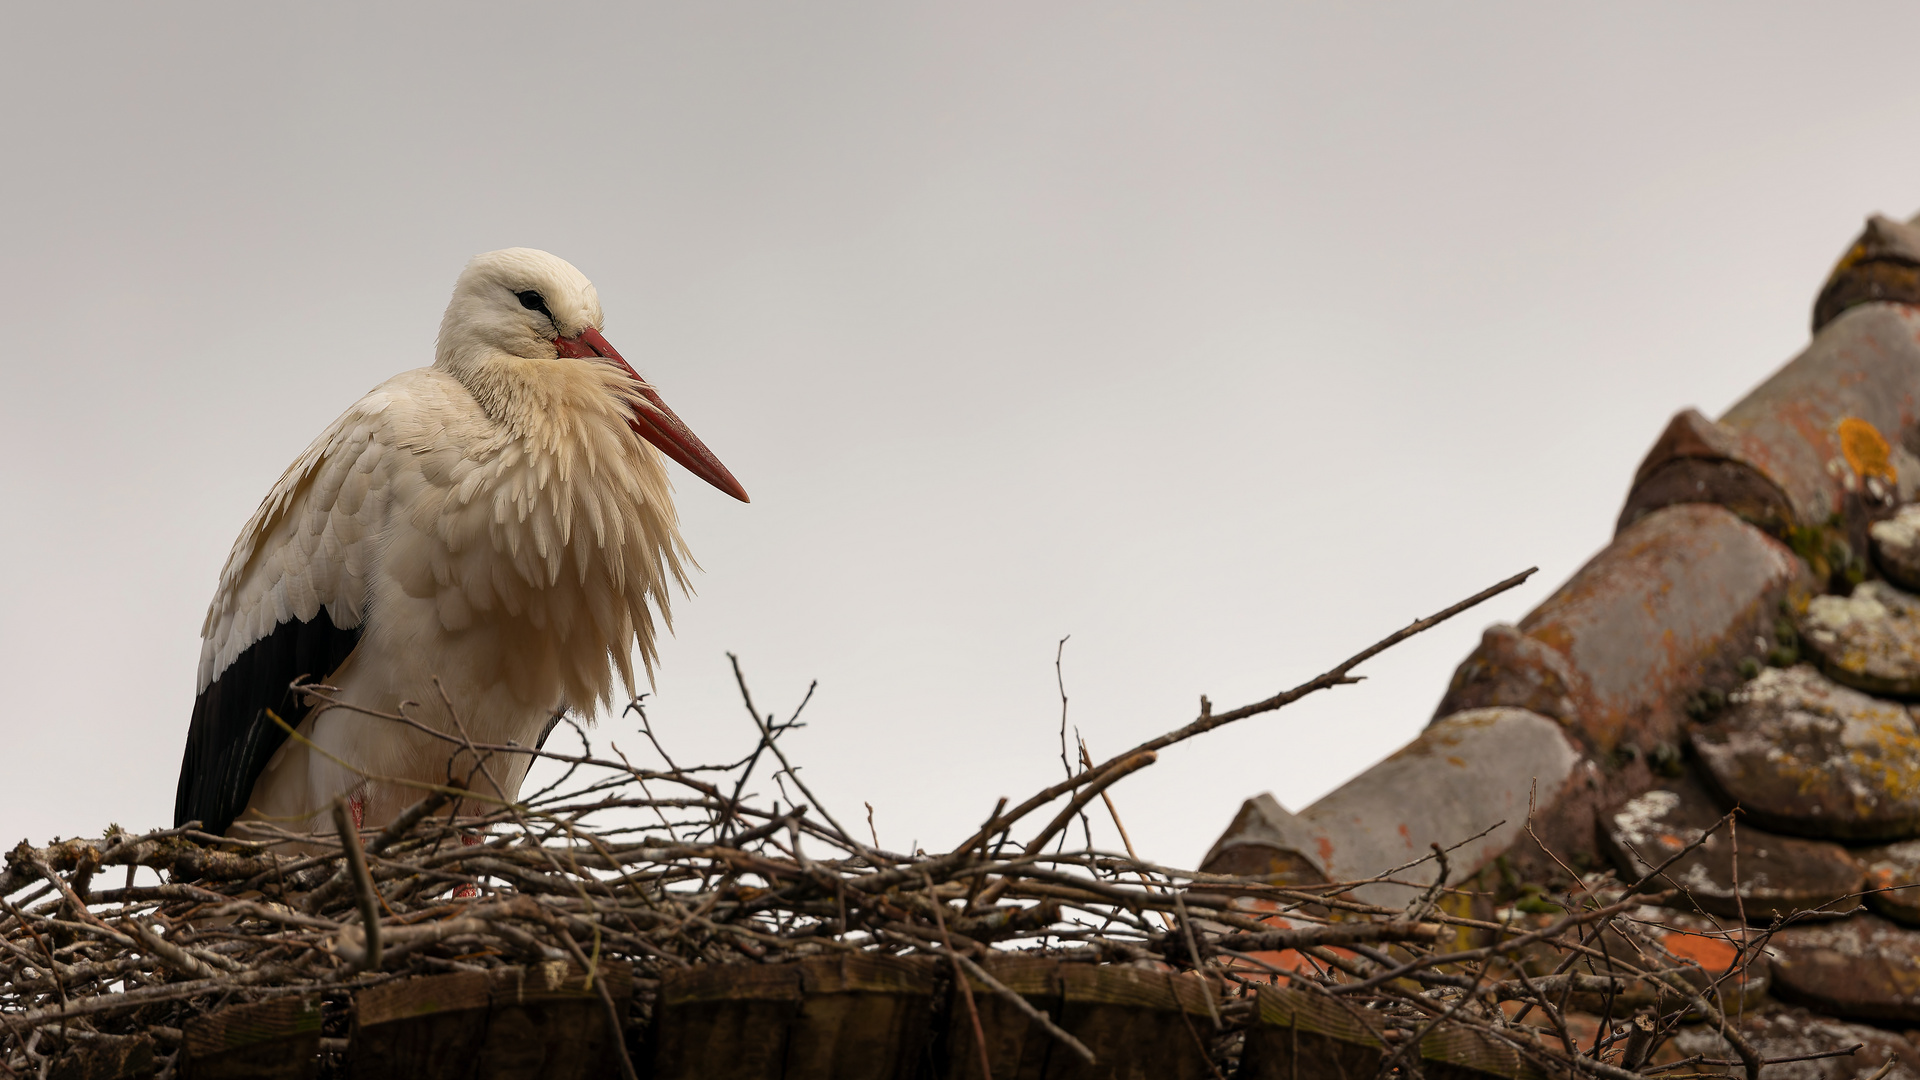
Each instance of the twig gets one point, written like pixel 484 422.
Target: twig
pixel 1335 676
pixel 1046 1023
pixel 362 882
pixel 1193 951
pixel 966 986
pixel 1112 775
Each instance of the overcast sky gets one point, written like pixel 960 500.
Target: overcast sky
pixel 1225 339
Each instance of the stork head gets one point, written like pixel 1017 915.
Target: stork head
pixel 520 304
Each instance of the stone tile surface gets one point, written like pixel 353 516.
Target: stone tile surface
pixel 1870 640
pixel 1790 1032
pixel 1894 872
pixel 1473 774
pixel 1802 754
pixel 1712 954
pixel 1896 547
pixel 1863 967
pixel 1715 956
pixel 1778 875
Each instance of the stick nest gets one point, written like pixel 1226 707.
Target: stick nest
pixel 674 867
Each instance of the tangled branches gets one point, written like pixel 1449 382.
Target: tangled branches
pixel 673 868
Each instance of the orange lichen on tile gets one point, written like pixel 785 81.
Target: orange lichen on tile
pixel 1866 449
pixel 1714 954
pixel 1283 959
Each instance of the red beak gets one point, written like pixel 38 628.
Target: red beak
pixel 661 428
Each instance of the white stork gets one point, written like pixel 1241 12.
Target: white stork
pixel 497 522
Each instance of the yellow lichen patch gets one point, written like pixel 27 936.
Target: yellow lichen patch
pixel 1866 449
pixel 1878 756
pixel 1854 255
pixel 1890 761
pixel 1460 906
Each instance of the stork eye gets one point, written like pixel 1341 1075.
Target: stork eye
pixel 533 301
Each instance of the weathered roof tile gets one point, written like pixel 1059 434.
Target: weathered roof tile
pixel 1896 546
pixel 1777 874
pixel 1801 754
pixel 1863 967
pixel 1893 873
pixel 1791 1032
pixel 1869 640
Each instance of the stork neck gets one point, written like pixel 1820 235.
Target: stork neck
pixel 546 401
pixel 506 387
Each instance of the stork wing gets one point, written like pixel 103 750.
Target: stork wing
pixel 291 602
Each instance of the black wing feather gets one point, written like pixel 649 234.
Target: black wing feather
pixel 231 739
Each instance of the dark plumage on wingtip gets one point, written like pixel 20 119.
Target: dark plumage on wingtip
pixel 231 737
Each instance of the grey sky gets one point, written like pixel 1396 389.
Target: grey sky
pixel 1224 338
